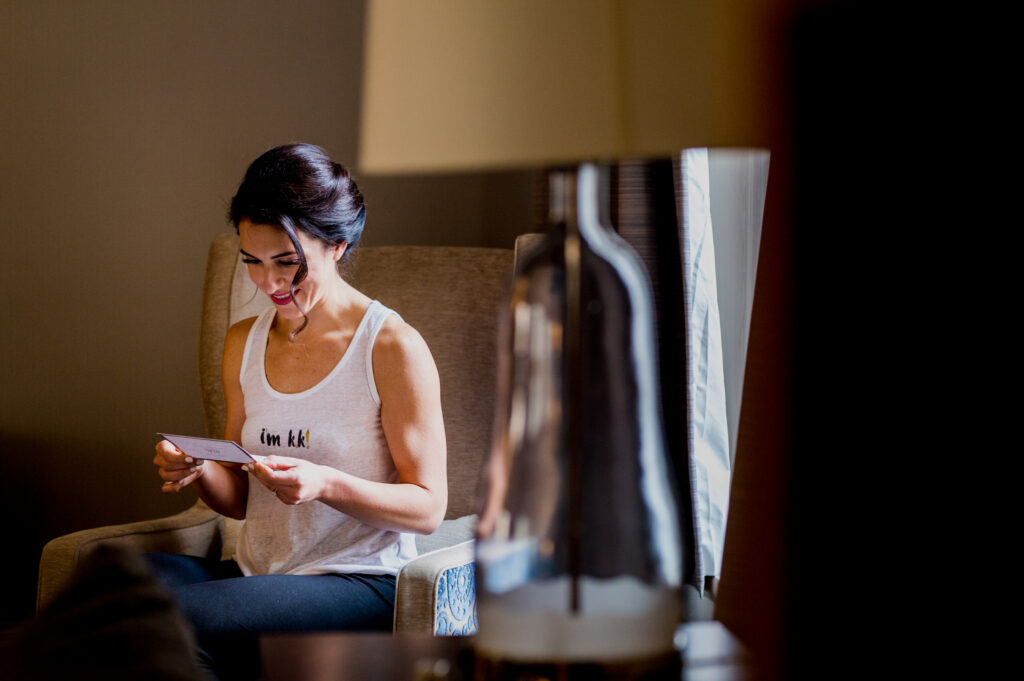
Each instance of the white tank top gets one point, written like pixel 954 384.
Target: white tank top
pixel 335 423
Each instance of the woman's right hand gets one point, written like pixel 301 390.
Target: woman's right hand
pixel 176 468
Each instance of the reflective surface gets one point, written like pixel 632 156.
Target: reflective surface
pixel 579 553
pixel 703 650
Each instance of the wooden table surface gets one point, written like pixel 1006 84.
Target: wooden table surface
pixel 707 649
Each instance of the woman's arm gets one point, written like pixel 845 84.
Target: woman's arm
pixel 410 413
pixel 227 491
pixel 223 486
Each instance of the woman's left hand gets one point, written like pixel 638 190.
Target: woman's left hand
pixel 293 481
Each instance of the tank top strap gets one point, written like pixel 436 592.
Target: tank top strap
pixel 376 315
pixel 256 342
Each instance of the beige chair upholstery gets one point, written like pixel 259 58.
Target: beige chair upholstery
pixel 452 295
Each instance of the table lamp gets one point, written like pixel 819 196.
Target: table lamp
pixel 586 532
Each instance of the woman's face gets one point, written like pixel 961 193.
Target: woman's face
pixel 273 262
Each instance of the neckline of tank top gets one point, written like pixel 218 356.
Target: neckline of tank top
pixel 360 330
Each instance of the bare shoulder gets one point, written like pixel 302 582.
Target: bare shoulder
pixel 234 340
pixel 400 348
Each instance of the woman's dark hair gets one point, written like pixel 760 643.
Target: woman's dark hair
pixel 299 187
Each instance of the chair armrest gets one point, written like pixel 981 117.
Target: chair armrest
pixel 196 531
pixel 436 593
pixel 453 531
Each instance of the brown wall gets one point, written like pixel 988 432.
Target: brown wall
pixel 126 127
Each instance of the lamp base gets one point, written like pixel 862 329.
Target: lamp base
pixel 578 553
pixel 619 618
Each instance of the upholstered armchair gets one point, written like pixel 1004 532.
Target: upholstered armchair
pixel 452 295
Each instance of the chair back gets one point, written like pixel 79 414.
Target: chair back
pixel 452 295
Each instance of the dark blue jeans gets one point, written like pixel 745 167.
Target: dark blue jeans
pixel 228 611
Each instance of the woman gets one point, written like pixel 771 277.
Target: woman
pixel 343 399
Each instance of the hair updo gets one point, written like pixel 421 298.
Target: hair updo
pixel 299 187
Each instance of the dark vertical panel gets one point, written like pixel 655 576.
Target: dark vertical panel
pixel 644 210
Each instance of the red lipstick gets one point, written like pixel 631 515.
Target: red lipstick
pixel 281 298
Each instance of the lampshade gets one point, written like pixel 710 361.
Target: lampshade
pixel 470 85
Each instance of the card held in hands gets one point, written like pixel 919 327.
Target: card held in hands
pixel 208 448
